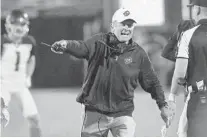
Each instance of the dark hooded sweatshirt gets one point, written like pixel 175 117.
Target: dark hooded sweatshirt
pixel 114 71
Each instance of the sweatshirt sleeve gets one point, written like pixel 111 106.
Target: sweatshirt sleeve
pixel 82 49
pixel 149 81
pixel 170 50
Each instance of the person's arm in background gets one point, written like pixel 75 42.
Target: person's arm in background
pixel 170 50
pixel 150 83
pixel 180 66
pixel 31 63
pixel 77 48
pixel 30 70
pixel 181 58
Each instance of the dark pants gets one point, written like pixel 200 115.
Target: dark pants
pixel 197 114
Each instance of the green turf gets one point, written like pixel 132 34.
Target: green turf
pixel 61 115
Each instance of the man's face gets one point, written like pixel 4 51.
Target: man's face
pixel 123 30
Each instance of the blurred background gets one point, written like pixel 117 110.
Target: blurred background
pixel 58 78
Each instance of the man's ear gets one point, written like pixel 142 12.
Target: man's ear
pixel 112 26
pixel 198 10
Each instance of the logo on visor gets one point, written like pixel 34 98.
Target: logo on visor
pixel 126 13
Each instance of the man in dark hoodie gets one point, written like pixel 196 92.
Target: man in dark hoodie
pixel 115 66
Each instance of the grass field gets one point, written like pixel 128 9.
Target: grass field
pixel 61 115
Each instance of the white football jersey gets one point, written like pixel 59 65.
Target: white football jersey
pixel 14 57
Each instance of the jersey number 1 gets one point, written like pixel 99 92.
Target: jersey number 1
pixel 17 61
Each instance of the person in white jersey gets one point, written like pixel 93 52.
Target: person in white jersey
pixel 17 66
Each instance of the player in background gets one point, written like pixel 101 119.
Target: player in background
pixel 18 65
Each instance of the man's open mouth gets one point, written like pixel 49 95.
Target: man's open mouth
pixel 125 32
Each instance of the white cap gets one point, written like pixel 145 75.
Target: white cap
pixel 123 14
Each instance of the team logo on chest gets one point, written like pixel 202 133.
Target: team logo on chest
pixel 128 60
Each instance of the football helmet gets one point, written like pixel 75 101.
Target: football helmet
pixel 17 23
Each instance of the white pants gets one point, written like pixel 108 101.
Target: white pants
pixel 98 125
pixel 183 123
pixel 18 88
